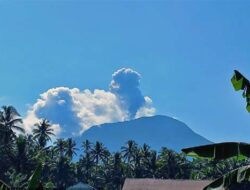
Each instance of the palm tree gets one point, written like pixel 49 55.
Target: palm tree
pixel 145 155
pixel 10 121
pixel 171 164
pixel 152 164
pixel 138 170
pixel 42 132
pixel 60 147
pixel 99 153
pixel 19 154
pixel 117 171
pixel 86 146
pixel 145 151
pixel 85 166
pixel 63 173
pixel 70 148
pixel 128 153
pixel 129 150
pixel 149 162
pixel 113 172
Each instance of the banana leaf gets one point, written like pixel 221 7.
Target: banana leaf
pixel 220 151
pixel 234 177
pixel 4 186
pixel 34 180
pixel 239 81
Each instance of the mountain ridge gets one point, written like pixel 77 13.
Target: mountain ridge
pixel 156 131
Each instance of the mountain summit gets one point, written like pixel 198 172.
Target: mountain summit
pixel 156 131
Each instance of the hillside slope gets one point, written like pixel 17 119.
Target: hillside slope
pixel 156 131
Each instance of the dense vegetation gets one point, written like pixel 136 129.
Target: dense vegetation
pixel 21 154
pixel 239 178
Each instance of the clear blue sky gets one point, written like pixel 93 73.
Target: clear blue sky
pixel 186 52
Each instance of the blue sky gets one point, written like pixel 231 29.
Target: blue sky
pixel 185 51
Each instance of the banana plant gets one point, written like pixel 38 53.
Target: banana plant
pixel 220 151
pixel 239 177
pixel 4 186
pixel 33 182
pixel 241 83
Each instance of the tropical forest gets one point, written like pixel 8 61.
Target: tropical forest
pixel 40 161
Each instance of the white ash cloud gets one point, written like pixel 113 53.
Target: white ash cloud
pixel 125 85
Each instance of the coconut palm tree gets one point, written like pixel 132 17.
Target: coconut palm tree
pixel 152 164
pixel 85 166
pixel 70 148
pixel 60 147
pixel 145 151
pixel 87 146
pixel 114 172
pixel 43 132
pixel 19 154
pixel 145 158
pixel 63 173
pixel 171 164
pixel 149 162
pixel 129 150
pixel 99 153
pixel 10 121
pixel 117 173
pixel 128 153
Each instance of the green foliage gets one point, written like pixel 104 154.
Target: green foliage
pixel 10 120
pixel 49 185
pixel 240 177
pixel 220 151
pixel 212 169
pixel 70 148
pixel 228 180
pixel 52 167
pixel 17 180
pixel 4 186
pixel 34 180
pixel 43 132
pixel 241 83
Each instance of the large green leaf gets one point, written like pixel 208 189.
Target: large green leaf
pixel 239 81
pixel 220 151
pixel 4 186
pixel 234 177
pixel 34 180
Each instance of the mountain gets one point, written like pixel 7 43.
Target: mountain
pixel 157 131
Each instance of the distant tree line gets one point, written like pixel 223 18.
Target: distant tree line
pixel 21 154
